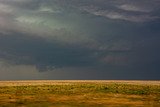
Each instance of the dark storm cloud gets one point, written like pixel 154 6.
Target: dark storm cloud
pixel 127 10
pixel 29 50
pixel 112 39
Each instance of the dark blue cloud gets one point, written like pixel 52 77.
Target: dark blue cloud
pixel 96 39
pixel 22 48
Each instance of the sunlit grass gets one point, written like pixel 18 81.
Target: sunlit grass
pixel 82 94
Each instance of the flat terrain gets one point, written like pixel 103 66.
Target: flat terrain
pixel 66 82
pixel 75 93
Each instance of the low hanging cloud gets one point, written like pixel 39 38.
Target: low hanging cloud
pixel 93 36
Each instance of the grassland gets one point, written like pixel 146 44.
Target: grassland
pixel 80 94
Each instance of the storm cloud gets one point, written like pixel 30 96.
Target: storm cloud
pixel 79 39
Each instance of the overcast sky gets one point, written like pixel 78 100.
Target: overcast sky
pixel 79 39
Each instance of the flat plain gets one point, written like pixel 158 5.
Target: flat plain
pixel 79 93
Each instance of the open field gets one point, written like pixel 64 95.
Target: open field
pixel 75 93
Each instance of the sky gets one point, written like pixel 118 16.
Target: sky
pixel 80 39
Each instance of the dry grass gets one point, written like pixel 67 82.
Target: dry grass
pixel 66 82
pixel 77 93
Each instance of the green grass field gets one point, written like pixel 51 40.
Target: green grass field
pixel 80 94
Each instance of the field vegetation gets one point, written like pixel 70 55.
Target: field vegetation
pixel 79 94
